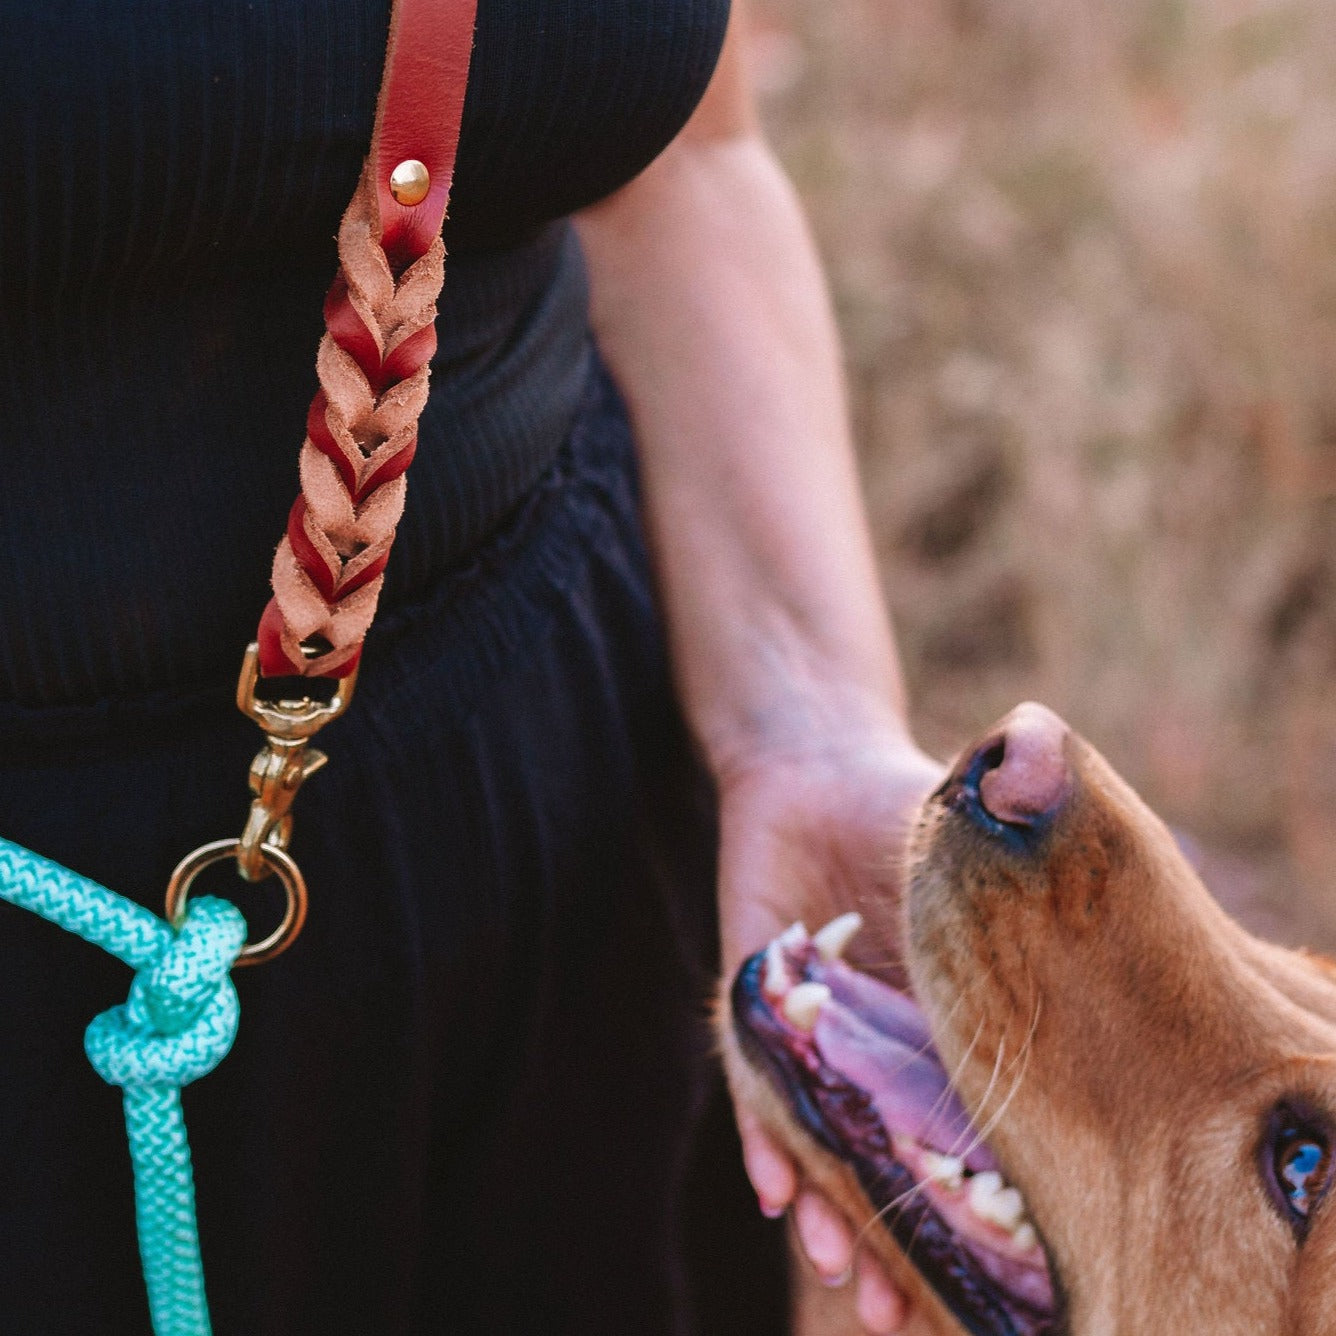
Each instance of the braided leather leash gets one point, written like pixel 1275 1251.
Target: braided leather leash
pixel 361 433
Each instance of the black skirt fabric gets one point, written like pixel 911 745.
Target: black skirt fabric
pixel 476 1097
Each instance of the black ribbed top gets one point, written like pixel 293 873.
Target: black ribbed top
pixel 171 178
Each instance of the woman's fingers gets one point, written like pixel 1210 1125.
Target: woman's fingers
pixel 825 1236
pixel 771 1171
pixel 881 1307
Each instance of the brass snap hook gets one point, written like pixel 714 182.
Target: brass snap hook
pixel 284 764
pixel 277 772
pixel 292 720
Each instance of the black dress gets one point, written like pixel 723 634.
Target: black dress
pixel 476 1096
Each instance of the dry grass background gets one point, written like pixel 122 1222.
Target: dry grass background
pixel 1084 256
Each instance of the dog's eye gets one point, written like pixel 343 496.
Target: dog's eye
pixel 1300 1165
pixel 1301 1170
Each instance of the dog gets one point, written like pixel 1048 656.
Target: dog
pixel 1100 1107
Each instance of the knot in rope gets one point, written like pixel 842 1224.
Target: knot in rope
pixel 182 1013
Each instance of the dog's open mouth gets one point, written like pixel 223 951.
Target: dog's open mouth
pixel 855 1060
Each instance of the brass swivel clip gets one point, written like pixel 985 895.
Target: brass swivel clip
pixel 283 764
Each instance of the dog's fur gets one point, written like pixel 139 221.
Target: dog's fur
pixel 1131 1041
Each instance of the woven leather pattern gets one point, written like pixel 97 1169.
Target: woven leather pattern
pixel 361 430
pixel 361 433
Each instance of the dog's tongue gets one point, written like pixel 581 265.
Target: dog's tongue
pixel 891 1012
pixel 878 1040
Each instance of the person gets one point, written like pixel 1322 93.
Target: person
pixel 471 1098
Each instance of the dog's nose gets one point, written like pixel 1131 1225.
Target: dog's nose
pixel 1031 778
pixel 1019 774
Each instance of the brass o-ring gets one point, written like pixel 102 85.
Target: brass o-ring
pixel 279 860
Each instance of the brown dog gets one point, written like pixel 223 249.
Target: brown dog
pixel 1158 1086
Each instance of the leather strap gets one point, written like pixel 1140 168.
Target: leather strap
pixel 421 105
pixel 373 359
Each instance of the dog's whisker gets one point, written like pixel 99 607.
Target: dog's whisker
pixel 939 1105
pixel 1023 1057
pixel 905 1198
pixel 897 1203
pixel 987 1129
pixel 988 1091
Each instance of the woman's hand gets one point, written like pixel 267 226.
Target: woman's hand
pixel 813 824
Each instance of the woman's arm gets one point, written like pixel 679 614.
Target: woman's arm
pixel 711 310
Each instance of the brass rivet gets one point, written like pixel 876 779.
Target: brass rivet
pixel 410 181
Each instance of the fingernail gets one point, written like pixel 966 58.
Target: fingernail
pixel 834 1282
pixel 769 1210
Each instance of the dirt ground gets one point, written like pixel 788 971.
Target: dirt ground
pixel 1084 256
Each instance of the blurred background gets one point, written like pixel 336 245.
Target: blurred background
pixel 1084 256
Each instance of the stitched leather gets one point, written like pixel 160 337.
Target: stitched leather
pixel 361 431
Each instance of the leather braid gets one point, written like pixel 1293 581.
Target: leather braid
pixel 361 432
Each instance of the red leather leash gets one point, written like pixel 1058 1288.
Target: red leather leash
pixel 361 433
pixel 361 430
pixel 418 116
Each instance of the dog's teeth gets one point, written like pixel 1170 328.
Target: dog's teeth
pixel 777 980
pixel 992 1200
pixel 1024 1237
pixel 983 1187
pixel 948 1170
pixel 803 1003
pixel 984 1184
pixel 794 936
pixel 1008 1209
pixel 832 940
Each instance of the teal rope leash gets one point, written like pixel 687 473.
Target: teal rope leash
pixel 178 1024
pixel 182 1013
